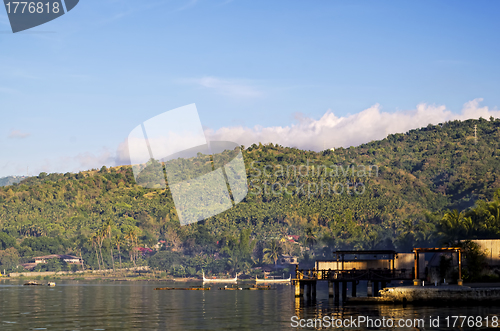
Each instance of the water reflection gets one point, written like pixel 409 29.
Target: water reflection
pixel 78 305
pixel 326 311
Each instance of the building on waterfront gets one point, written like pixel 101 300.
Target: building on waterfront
pixel 364 260
pixel 69 259
pixel 288 259
pixel 491 247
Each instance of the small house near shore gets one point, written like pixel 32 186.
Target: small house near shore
pixel 69 259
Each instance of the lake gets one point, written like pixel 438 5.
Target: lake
pixel 93 305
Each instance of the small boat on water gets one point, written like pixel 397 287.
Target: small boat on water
pixel 271 280
pixel 259 288
pixel 32 283
pixel 220 280
pixel 230 288
pixel 51 284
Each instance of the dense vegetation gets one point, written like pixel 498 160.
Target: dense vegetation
pixel 399 192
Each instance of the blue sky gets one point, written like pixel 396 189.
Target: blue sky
pixel 71 90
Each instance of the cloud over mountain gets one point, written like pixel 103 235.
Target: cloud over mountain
pixel 333 131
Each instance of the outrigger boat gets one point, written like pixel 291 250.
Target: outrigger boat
pixel 219 280
pixel 269 280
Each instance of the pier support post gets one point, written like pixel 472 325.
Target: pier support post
pixel 330 289
pixel 337 292
pixel 375 289
pixel 301 285
pixel 344 291
pixel 353 293
pixel 309 290
pixel 369 289
pixel 313 285
pixel 298 292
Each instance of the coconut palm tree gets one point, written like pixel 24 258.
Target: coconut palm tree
pixel 118 241
pixel 132 238
pixel 100 239
pixel 108 231
pixel 94 241
pixel 311 237
pixel 273 251
pixel 453 225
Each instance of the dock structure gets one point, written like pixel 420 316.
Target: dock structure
pixel 378 267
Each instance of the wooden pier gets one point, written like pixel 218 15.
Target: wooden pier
pixel 339 278
pixel 377 267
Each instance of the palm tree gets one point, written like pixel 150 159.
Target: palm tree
pixel 273 252
pixel 493 209
pixel 100 238
pixel 131 236
pixel 311 237
pixel 94 244
pixel 108 230
pixel 118 241
pixel 453 224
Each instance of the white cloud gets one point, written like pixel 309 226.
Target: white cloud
pixel 307 133
pixel 333 131
pixel 16 134
pixel 227 87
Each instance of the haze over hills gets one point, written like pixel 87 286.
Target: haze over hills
pixel 390 193
pixel 9 180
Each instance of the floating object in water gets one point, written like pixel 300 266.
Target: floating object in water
pixel 182 288
pixel 219 280
pixel 51 284
pixel 32 283
pixel 230 288
pixel 288 280
pixel 261 286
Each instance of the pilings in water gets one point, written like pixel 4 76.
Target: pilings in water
pixel 305 286
pixel 306 281
pixel 375 288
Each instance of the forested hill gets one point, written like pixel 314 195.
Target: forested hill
pixel 358 197
pixel 5 181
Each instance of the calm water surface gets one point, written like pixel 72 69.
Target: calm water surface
pixel 84 305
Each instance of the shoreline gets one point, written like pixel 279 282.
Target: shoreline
pixel 110 276
pixel 418 295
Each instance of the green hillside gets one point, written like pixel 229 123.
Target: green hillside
pixel 391 193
